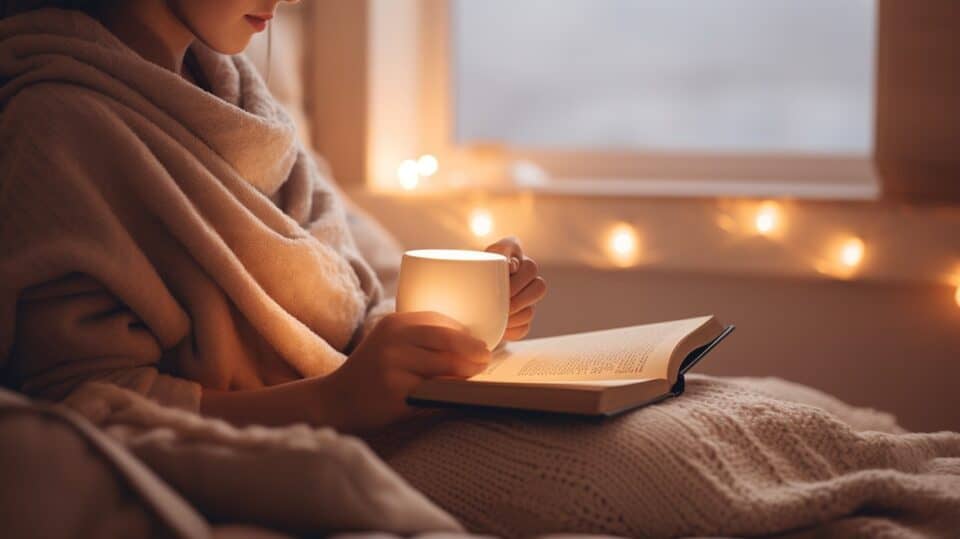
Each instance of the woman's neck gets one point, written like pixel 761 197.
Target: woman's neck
pixel 151 29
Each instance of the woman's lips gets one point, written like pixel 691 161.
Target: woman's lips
pixel 259 22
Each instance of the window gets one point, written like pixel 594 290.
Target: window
pixel 653 97
pixel 754 98
pixel 749 76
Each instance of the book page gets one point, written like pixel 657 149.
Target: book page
pixel 637 352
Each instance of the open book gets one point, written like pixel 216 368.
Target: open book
pixel 596 373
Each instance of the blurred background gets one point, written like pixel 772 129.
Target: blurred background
pixel 735 75
pixel 791 167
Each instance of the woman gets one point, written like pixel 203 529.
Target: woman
pixel 163 229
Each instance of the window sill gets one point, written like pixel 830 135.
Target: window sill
pixel 865 190
pixel 718 234
pixel 672 188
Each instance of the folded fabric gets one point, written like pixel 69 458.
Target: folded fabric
pixel 62 477
pixel 296 479
pixel 158 235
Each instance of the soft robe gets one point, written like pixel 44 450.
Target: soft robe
pixel 157 235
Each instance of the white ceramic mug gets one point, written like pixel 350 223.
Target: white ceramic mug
pixel 472 287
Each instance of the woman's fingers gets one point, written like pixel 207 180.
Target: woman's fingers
pixel 432 363
pixel 530 295
pixel 510 248
pixel 516 333
pixel 518 326
pixel 435 345
pixel 527 272
pixel 425 318
pixel 449 340
pixel 523 317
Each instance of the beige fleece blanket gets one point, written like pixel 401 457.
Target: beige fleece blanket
pixel 294 479
pixel 150 226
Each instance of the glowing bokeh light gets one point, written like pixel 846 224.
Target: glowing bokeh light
pixel 767 219
pixel 481 223
pixel 408 174
pixel 427 165
pixel 623 245
pixel 851 253
pixel 954 280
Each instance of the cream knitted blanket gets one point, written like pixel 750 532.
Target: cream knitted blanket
pixel 725 459
pixel 151 226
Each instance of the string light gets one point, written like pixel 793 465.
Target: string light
pixel 411 171
pixel 954 280
pixel 623 245
pixel 427 165
pixel 481 223
pixel 844 255
pixel 851 253
pixel 408 174
pixel 767 219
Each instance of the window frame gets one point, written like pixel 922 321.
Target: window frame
pixel 381 117
pixel 799 175
pixel 370 117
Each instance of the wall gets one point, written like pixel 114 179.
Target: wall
pixel 892 341
pixel 894 347
pixel 918 100
pixel 888 338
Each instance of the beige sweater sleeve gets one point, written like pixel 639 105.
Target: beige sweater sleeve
pixel 73 330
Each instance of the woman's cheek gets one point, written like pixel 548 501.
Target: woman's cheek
pixel 220 24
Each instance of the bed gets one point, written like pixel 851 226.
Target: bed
pixel 732 457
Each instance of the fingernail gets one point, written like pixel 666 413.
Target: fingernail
pixel 514 264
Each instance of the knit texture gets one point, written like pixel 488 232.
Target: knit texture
pixel 157 235
pixel 722 460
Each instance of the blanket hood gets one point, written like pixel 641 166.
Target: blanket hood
pixel 70 47
pixel 225 248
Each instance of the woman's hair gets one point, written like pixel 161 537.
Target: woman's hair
pixel 13 7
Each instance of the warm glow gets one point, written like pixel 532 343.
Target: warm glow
pixel 471 287
pixel 955 281
pixel 455 254
pixel 623 245
pixel 851 254
pixel 481 223
pixel 427 165
pixel 768 218
pixel 408 174
pixel 843 257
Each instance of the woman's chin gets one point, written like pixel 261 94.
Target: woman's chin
pixel 230 45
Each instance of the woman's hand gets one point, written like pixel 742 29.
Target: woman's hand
pixel 370 390
pixel 527 288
